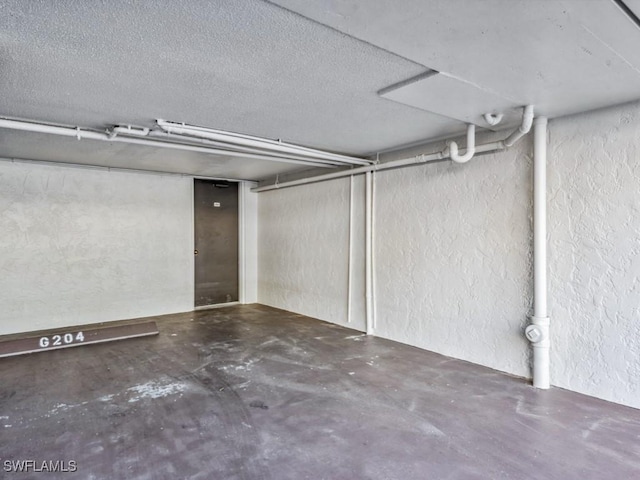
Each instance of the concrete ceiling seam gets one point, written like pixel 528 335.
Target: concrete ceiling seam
pixel 566 57
pixel 633 16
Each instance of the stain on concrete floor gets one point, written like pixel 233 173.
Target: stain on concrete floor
pixel 251 392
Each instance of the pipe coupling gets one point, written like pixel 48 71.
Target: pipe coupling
pixel 538 332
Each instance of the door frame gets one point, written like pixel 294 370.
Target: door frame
pixel 243 267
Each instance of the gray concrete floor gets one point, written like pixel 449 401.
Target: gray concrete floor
pixel 251 392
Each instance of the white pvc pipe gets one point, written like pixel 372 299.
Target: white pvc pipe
pixel 538 331
pixel 129 130
pixel 350 251
pixel 417 160
pixel 540 217
pixel 471 146
pixel 257 142
pixel 170 137
pixel 373 252
pixel 367 254
pixel 103 136
pixel 525 126
pixel 406 162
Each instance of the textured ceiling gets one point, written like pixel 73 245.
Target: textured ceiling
pixel 254 67
pixel 245 66
pixel 563 56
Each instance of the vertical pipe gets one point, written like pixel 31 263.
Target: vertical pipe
pixel 367 280
pixel 242 277
pixel 350 251
pixel 538 331
pixel 374 317
pixel 540 218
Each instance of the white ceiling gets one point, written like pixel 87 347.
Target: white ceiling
pixel 314 73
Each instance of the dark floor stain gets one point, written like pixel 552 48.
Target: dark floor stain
pixel 258 404
pixel 191 403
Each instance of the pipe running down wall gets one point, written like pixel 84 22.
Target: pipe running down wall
pixel 368 252
pixel 538 331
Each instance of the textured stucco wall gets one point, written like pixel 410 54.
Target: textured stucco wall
pixel 303 251
pixel 82 245
pixel 453 254
pixel 594 253
pixel 452 258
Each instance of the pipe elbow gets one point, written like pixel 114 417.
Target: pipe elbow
pixel 523 129
pixel 456 157
pixel 471 147
pixel 493 119
pixel 527 119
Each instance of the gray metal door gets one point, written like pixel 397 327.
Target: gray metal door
pixel 216 242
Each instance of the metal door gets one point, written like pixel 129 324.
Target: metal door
pixel 216 242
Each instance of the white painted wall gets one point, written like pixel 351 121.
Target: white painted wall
pixel 303 251
pixel 594 231
pixel 81 245
pixel 453 255
pixel 248 243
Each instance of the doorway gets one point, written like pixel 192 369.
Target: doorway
pixel 216 242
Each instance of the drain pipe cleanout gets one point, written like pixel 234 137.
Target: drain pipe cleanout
pixel 538 331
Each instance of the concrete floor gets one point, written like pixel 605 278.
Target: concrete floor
pixel 251 392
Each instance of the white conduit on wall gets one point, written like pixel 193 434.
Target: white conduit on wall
pixel 350 251
pixel 368 251
pixel 372 280
pixel 143 136
pixel 538 331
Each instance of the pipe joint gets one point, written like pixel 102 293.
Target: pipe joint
pixel 538 332
pixel 523 129
pixel 493 119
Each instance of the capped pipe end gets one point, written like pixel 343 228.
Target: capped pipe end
pixel 534 333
